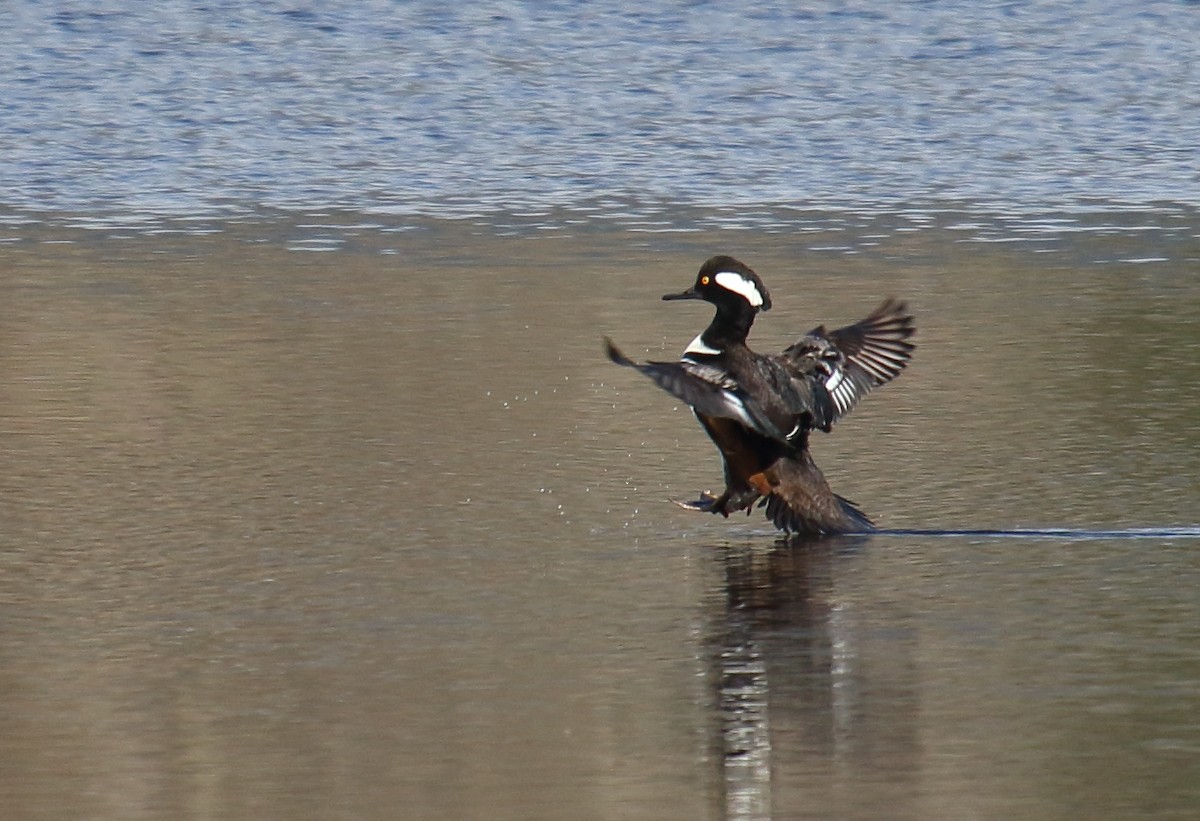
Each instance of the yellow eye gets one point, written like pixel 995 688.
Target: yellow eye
pixel 704 280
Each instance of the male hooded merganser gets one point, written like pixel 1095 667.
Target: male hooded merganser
pixel 760 409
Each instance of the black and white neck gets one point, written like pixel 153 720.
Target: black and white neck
pixel 729 327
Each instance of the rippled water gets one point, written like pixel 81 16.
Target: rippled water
pixel 380 532
pixel 321 501
pixel 181 108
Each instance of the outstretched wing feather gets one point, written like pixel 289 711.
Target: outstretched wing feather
pixel 708 390
pixel 847 363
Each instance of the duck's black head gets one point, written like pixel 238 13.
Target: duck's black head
pixel 728 284
pixel 738 294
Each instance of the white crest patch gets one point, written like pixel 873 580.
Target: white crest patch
pixel 740 285
pixel 697 346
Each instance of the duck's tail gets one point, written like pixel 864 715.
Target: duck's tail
pixel 847 519
pixel 802 502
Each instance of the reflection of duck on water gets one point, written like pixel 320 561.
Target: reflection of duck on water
pixel 759 410
pixel 812 705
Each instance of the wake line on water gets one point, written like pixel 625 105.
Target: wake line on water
pixel 1192 532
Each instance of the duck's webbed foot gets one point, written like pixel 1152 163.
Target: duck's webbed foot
pixel 728 502
pixel 705 504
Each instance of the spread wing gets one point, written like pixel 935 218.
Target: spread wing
pixel 709 390
pixel 845 364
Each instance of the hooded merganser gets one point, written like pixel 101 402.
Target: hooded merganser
pixel 760 409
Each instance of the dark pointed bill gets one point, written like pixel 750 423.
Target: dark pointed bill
pixel 690 293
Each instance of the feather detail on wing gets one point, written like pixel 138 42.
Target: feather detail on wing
pixel 845 364
pixel 709 390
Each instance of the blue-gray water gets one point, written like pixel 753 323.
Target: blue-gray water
pixel 378 532
pixel 608 110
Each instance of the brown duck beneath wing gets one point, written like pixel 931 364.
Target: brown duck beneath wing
pixel 787 481
pixel 748 456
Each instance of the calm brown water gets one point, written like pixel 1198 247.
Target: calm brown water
pixel 383 535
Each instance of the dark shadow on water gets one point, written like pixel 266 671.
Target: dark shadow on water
pixel 816 701
pixel 1187 532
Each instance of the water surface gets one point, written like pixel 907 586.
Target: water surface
pixel 320 499
pixel 181 108
pixel 381 531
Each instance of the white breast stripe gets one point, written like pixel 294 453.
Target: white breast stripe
pixel 697 346
pixel 740 285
